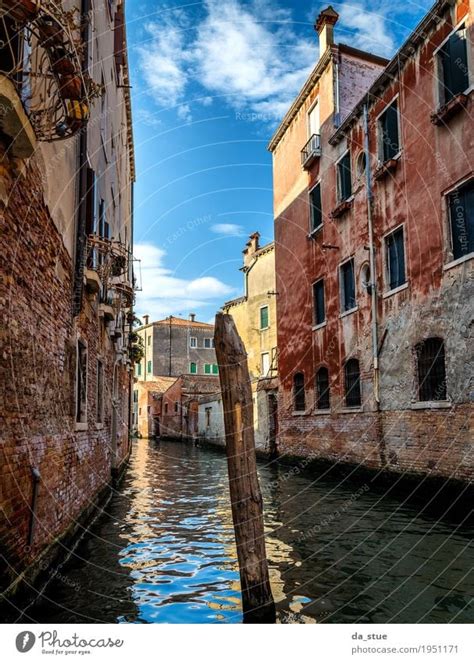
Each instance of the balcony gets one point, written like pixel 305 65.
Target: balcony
pixel 110 262
pixel 44 93
pixel 311 151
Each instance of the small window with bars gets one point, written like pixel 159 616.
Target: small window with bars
pixel 431 366
pixel 352 383
pixel 299 397
pixel 322 388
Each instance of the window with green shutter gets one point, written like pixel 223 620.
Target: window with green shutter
pixel 264 317
pixel 148 366
pixel 207 368
pixel 215 369
pixel 193 368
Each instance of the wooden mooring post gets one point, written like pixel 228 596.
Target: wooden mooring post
pixel 246 498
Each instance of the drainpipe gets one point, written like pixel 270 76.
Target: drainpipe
pixel 373 278
pixel 36 479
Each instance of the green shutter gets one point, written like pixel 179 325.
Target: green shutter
pixel 264 317
pixel 193 368
pixel 207 369
pixel 215 369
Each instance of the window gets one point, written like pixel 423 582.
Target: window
pixel 352 383
pixel 316 214
pixel 265 364
pixel 322 388
pixel 264 324
pixel 299 401
pixel 431 369
pixel 148 366
pixel 344 178
pixel 207 368
pixel 395 252
pixel 193 342
pixel 193 368
pixel 318 302
pixel 138 369
pixel 135 396
pixel 209 343
pixel 348 298
pixel 389 144
pixel 81 382
pixel 215 369
pixel 208 416
pixel 313 120
pixel 461 216
pixel 176 407
pixel 100 392
pixel 166 407
pixel 454 72
pixel 149 340
pixel 361 164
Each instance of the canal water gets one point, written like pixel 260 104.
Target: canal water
pixel 339 549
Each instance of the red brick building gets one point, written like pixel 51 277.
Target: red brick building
pixel 180 405
pixel 66 279
pixel 374 232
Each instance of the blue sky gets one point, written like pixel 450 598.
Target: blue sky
pixel 210 81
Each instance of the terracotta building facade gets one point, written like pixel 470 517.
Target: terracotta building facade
pixel 66 287
pixel 374 242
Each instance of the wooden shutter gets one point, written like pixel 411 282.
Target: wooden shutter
pixel 318 293
pixel 453 57
pixel 349 300
pixel 461 212
pixel 322 389
pixel 345 177
pixel 391 145
pixel 396 259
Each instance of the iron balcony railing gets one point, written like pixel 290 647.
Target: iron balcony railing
pixel 311 151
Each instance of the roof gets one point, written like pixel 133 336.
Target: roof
pixel 179 321
pixel 158 384
pixel 392 69
pixel 311 81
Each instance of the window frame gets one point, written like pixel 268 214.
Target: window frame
pixel 420 384
pixel 347 392
pixel 386 262
pixel 343 310
pixel 339 197
pixel 380 143
pixel 81 406
pixel 323 322
pixel 264 328
pixel 317 394
pixel 451 261
pixel 298 410
pixel 191 339
pixel 262 372
pixel 211 343
pixel 314 230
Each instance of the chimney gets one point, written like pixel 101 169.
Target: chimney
pixel 324 26
pixel 192 317
pixel 251 248
pixel 146 319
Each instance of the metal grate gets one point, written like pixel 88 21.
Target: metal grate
pixel 431 370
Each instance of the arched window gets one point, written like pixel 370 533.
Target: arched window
pixel 299 403
pixel 322 388
pixel 431 369
pixel 352 383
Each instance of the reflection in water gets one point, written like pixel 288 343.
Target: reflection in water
pixel 338 551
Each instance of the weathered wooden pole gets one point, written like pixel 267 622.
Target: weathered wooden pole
pixel 245 495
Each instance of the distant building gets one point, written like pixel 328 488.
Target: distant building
pixel 147 399
pixel 255 317
pixel 179 408
pixel 175 346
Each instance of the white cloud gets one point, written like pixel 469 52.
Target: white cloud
pixel 164 294
pixel 368 27
pixel 228 229
pixel 249 53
